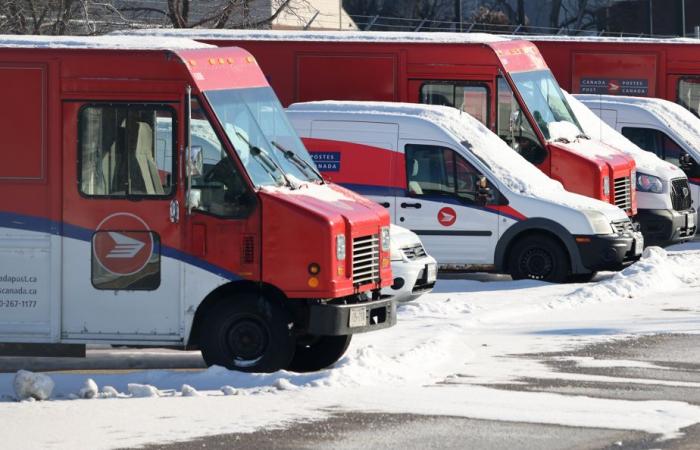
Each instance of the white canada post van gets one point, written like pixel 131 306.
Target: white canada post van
pixel 665 211
pixel 474 202
pixel 413 269
pixel 666 129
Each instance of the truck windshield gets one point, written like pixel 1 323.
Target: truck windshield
pixel 545 100
pixel 262 136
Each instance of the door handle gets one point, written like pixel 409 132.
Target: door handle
pixel 385 204
pixel 174 211
pixel 411 205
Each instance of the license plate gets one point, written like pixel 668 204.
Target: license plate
pixel 690 221
pixel 358 317
pixel 432 272
pixel 638 245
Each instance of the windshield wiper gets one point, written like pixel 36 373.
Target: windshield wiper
pixel 299 162
pixel 266 162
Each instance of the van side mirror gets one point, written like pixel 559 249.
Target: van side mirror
pixel 689 165
pixel 483 191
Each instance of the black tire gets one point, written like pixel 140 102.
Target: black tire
pixel 539 257
pixel 248 333
pixel 318 352
pixel 582 277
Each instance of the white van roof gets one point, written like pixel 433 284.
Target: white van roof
pixel 344 36
pixel 678 120
pixel 99 42
pixel 507 165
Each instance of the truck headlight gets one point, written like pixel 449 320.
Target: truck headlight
pixel 340 247
pixel 606 186
pixel 386 238
pixel 649 183
pixel 599 221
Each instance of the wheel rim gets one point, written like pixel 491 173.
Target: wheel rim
pixel 247 340
pixel 536 263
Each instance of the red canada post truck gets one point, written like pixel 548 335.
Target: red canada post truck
pixel 503 83
pixel 153 193
pixel 640 67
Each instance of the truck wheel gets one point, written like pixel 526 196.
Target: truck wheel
pixel 247 333
pixel 539 258
pixel 318 352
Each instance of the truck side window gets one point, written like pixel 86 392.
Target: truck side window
pixel 218 188
pixel 689 94
pixel 514 128
pixel 126 150
pixel 432 170
pixel 470 98
pixel 655 141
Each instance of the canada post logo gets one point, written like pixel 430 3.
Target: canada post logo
pixel 615 86
pixel 327 161
pixel 122 244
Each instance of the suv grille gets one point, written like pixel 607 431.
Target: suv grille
pixel 622 226
pixel 414 252
pixel 680 194
pixel 365 259
pixel 623 193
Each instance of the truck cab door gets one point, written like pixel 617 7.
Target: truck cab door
pixel 441 205
pixel 121 221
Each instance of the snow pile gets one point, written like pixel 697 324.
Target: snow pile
pixel 656 272
pixel 563 130
pixel 342 36
pixel 109 392
pixel 283 384
pixel 506 165
pixel 188 391
pixel 30 385
pixel 228 390
pixel 99 42
pixel 89 389
pixel 142 390
pixel 594 127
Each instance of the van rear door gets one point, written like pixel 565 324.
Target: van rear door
pixel 441 205
pixel 121 209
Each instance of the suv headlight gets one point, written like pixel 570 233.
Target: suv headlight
pixel 385 236
pixel 649 183
pixel 340 247
pixel 599 221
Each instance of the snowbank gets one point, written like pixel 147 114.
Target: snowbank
pixel 29 385
pixel 89 389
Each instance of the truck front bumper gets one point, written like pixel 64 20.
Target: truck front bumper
pixel 664 227
pixel 609 252
pixel 329 319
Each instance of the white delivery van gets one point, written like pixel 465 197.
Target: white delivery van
pixel 474 202
pixel 413 269
pixel 665 211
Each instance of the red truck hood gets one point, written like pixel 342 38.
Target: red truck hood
pixel 593 150
pixel 334 203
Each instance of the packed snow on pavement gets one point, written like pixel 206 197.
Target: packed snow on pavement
pixel 444 357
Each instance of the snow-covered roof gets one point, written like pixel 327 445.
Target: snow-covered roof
pixel 345 36
pixel 611 39
pixel 597 129
pixel 678 120
pixel 100 42
pixel 506 164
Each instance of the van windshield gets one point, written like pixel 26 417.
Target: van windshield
pixel 545 101
pixel 262 136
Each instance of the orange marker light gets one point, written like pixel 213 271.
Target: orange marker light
pixel 313 282
pixel 212 61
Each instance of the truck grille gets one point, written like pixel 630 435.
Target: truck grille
pixel 365 259
pixel 680 194
pixel 414 252
pixel 623 193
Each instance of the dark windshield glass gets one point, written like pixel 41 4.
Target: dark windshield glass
pixel 544 99
pixel 257 127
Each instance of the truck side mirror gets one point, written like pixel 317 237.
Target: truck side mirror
pixel 195 166
pixel 483 191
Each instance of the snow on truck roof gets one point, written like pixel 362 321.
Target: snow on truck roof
pixel 675 117
pixel 344 36
pixel 100 42
pixel 504 162
pixel 611 39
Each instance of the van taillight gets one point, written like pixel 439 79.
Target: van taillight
pixel 248 250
